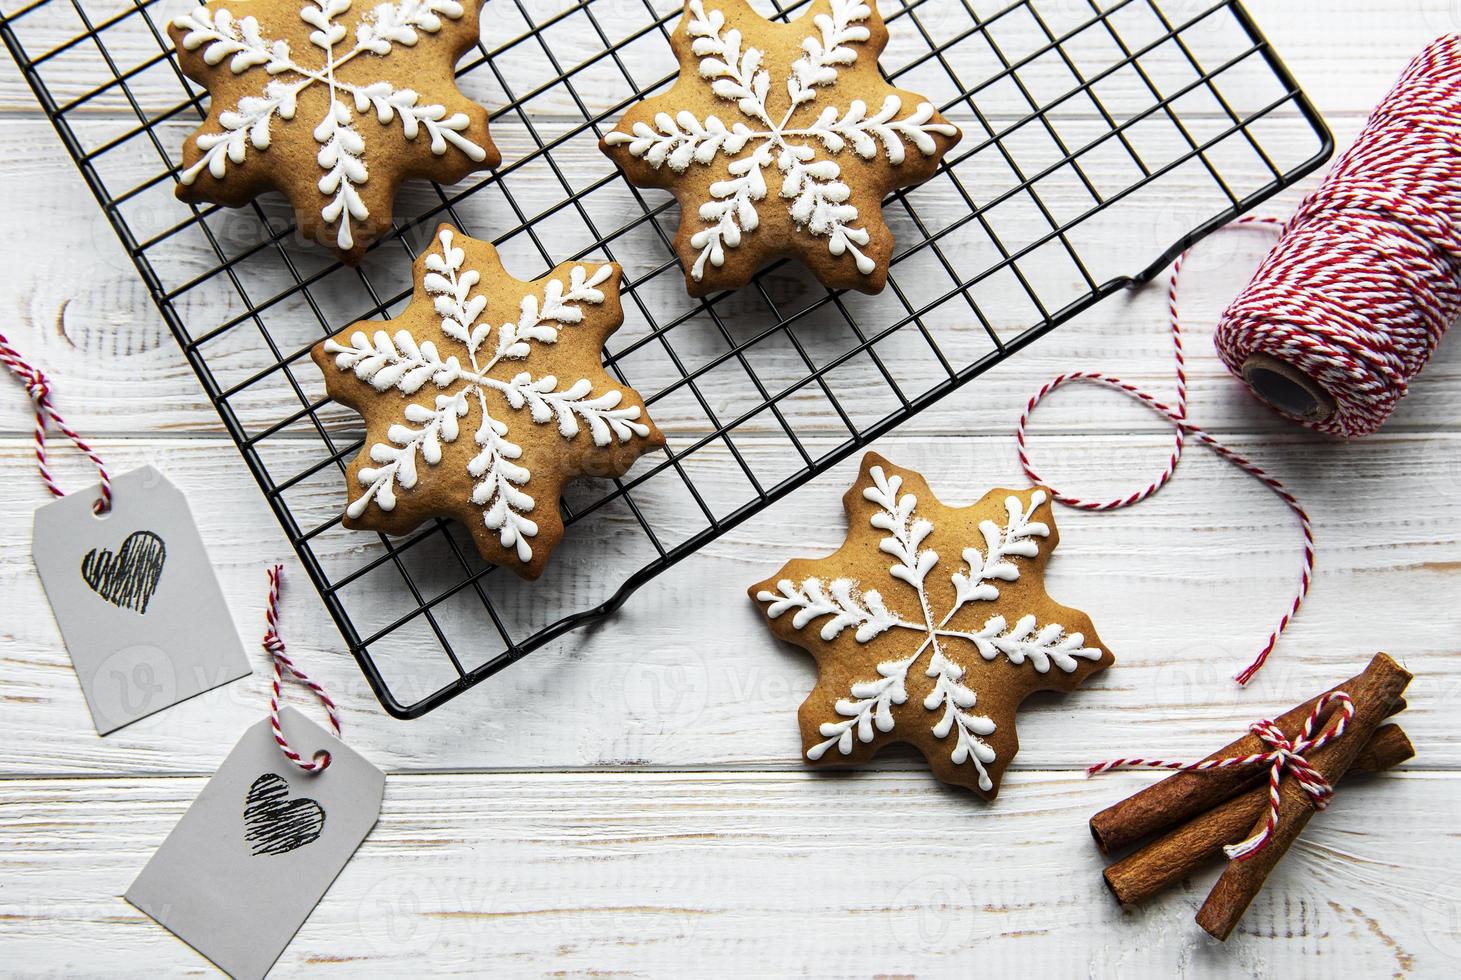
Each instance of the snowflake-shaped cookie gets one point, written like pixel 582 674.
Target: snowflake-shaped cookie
pixel 484 423
pixel 332 102
pixel 798 111
pixel 916 645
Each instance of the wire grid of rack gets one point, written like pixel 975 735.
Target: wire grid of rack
pixel 1083 120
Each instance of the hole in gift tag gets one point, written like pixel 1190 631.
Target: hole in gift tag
pixel 129 577
pixel 275 824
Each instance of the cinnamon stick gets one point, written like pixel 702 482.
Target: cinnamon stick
pixel 1373 693
pixel 1181 796
pixel 1171 858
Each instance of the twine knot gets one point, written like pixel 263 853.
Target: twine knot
pixel 36 385
pixel 1289 754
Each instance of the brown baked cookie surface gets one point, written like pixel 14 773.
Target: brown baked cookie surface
pixel 930 625
pixel 483 398
pixel 334 103
pixel 780 140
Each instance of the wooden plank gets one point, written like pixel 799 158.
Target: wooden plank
pixel 1376 44
pixel 702 684
pixel 676 873
pixel 97 334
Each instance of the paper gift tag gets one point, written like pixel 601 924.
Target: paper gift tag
pixel 136 598
pixel 256 851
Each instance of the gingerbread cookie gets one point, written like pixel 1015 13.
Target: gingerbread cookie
pixel 929 626
pixel 484 423
pixel 780 140
pixel 333 103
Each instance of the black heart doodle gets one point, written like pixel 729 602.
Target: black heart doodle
pixel 129 577
pixel 275 824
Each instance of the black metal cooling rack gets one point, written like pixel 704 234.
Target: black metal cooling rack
pixel 1101 138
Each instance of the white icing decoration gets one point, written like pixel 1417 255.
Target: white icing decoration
pixel 844 607
pixel 820 200
pixel 398 361
pixel 342 144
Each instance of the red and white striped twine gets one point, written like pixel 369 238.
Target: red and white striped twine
pixel 1177 415
pixel 1282 754
pixel 275 646
pixel 1366 277
pixel 39 390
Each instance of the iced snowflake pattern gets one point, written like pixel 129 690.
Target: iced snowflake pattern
pixel 399 361
pixel 804 154
pixel 902 628
pixel 283 74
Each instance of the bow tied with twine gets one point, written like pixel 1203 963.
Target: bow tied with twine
pixel 1283 754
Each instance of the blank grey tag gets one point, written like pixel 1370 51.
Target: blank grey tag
pixel 256 851
pixel 136 599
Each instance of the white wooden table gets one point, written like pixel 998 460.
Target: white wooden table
pixel 630 800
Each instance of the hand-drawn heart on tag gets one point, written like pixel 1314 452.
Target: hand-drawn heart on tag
pixel 129 577
pixel 275 824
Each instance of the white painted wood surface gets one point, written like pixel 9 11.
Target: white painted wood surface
pixel 630 799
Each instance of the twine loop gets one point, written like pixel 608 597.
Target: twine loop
pixel 38 389
pixel 274 645
pixel 1182 427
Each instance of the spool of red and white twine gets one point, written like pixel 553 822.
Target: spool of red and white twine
pixel 281 662
pixel 1282 753
pixel 1350 304
pixel 1366 277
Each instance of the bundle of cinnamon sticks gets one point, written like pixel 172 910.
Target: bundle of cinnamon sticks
pixel 1198 814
